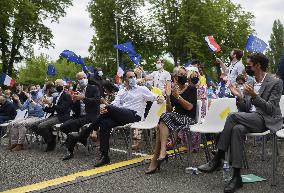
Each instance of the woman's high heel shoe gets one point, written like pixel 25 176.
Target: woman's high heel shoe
pixel 161 160
pixel 152 171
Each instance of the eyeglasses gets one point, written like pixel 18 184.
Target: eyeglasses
pixel 129 77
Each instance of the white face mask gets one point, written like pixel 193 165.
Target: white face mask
pixel 100 73
pixel 83 83
pixel 158 66
pixel 55 94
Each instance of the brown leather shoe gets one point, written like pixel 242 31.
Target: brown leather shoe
pixel 19 147
pixel 12 147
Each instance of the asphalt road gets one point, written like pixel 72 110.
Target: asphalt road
pixel 33 165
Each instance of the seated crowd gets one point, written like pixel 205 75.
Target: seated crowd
pixel 90 106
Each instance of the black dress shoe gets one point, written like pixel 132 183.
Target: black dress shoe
pixel 234 184
pixel 103 161
pixel 51 146
pixel 68 156
pixel 211 166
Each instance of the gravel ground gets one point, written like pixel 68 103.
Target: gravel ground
pixel 33 165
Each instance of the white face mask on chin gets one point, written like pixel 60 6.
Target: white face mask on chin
pixel 158 66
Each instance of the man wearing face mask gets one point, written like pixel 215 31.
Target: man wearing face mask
pixel 236 66
pixel 86 106
pixel 127 107
pixel 259 111
pixel 161 78
pixel 60 109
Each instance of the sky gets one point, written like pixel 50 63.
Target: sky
pixel 74 32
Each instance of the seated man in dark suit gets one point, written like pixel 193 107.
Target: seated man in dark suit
pixel 87 105
pixel 258 111
pixel 60 109
pixel 7 110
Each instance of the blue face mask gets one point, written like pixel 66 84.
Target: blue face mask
pixel 83 83
pixel 132 82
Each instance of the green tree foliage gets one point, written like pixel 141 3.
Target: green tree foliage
pixel 22 25
pixel 35 70
pixel 131 26
pixel 227 22
pixel 276 45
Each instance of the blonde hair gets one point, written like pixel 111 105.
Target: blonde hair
pixel 191 70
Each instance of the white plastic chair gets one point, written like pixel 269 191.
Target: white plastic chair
pixel 151 121
pixel 214 120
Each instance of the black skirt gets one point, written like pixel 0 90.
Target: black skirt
pixel 176 121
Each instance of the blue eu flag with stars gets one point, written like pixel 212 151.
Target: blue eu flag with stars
pixel 254 44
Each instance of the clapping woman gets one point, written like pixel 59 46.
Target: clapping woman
pixel 182 98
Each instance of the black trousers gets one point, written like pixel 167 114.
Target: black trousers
pixel 44 128
pixel 114 117
pixel 74 125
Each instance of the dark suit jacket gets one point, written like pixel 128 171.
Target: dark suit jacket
pixel 62 108
pixel 8 109
pixel 92 103
pixel 266 103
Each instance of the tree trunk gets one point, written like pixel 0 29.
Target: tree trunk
pixel 4 57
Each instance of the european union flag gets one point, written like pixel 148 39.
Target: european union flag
pixel 72 57
pixel 254 44
pixel 87 68
pixel 126 47
pixel 135 58
pixel 51 71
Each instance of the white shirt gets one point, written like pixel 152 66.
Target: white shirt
pixel 234 70
pixel 256 88
pixel 134 99
pixel 160 79
pixel 57 99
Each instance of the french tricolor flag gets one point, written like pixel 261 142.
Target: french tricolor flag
pixel 6 80
pixel 212 44
pixel 120 72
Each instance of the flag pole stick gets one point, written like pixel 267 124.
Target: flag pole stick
pixel 116 34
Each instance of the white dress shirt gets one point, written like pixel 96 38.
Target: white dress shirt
pixel 160 79
pixel 134 99
pixel 256 88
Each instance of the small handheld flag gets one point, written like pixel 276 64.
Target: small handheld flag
pixel 72 57
pixel 254 44
pixel 212 44
pixel 6 80
pixel 120 71
pixel 129 49
pixel 51 71
pixel 126 47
